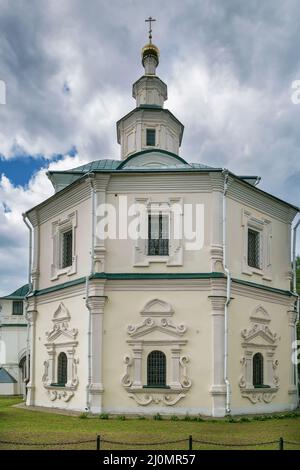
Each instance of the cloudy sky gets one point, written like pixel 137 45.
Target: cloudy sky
pixel 68 66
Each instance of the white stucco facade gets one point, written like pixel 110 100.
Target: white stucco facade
pixel 115 303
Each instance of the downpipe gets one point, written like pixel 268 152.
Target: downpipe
pixel 297 300
pixel 27 378
pixel 228 292
pixel 91 180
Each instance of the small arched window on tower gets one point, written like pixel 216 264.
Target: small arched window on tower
pixel 62 369
pixel 156 369
pixel 258 370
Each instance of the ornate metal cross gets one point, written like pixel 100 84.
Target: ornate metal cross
pixel 149 20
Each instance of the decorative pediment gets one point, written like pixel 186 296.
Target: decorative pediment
pixel 259 333
pixel 150 325
pixel 61 314
pixel 157 308
pixel 60 328
pixel 260 315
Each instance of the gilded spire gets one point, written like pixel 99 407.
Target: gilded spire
pixel 150 53
pixel 149 20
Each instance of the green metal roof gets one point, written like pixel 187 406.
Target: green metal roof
pixel 96 165
pixel 6 378
pixel 19 293
pixel 117 165
pixel 62 179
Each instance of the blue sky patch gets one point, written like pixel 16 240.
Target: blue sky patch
pixel 21 168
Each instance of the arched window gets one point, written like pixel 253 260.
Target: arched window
pixel 258 370
pixel 62 367
pixel 156 369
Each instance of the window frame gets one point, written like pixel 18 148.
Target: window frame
pixel 59 228
pixel 61 370
pixel 150 131
pixel 264 228
pixel 154 205
pixel 14 303
pixel 258 372
pixel 163 366
pixel 160 240
pixel 62 263
pixel 256 255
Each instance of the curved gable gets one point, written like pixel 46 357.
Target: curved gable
pixel 153 159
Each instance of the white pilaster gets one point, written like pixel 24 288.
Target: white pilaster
pixel 175 357
pixel 249 369
pixel 218 389
pixel 268 369
pixel 31 317
pixel 96 306
pixel 137 357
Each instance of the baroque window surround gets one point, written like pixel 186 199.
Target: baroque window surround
pixel 156 332
pixel 259 338
pixel 58 228
pixel 264 228
pixel 61 339
pixel 175 257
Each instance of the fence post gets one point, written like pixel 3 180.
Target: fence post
pixel 281 447
pixel 190 442
pixel 98 442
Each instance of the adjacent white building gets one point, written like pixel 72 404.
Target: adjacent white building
pixel 170 321
pixel 13 336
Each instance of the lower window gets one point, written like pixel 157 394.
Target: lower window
pixel 62 370
pixel 156 369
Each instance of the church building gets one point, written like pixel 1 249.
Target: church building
pixel 159 285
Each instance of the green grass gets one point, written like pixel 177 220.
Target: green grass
pixel 23 426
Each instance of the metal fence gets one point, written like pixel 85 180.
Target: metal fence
pixel 189 443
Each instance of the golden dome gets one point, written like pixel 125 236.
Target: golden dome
pixel 150 50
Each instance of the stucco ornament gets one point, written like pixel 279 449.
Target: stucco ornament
pixel 61 338
pixel 154 333
pixel 165 399
pixel 64 395
pixel 259 338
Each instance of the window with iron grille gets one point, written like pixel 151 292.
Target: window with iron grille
pixel 67 241
pixel 150 137
pixel 158 235
pixel 62 369
pixel 17 307
pixel 258 370
pixel 253 248
pixel 156 369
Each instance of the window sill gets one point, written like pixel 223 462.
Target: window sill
pixel 68 271
pixel 54 386
pixel 144 389
pixel 257 387
pixel 265 389
pixel 249 271
pixel 159 387
pixel 254 270
pixel 157 258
